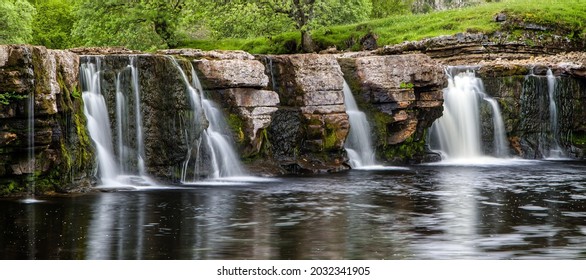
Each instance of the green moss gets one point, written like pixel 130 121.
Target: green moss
pixel 236 125
pixel 579 139
pixel 333 137
pixel 405 151
pixel 263 152
pixel 84 150
pixel 330 137
pixel 381 121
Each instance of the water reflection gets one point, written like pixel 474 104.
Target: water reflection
pixel 532 210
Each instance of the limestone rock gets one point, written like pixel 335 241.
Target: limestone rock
pixel 470 48
pixel 238 82
pixel 309 129
pixel 231 73
pixel 63 157
pixel 404 96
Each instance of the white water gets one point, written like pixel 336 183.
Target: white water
pixel 224 162
pixel 358 143
pixel 555 151
pixel 458 131
pixel 500 141
pixel 31 160
pixel 140 153
pixel 115 170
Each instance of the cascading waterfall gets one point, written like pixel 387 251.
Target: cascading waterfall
pixel 358 143
pixel 138 117
pixel 223 159
pixel 31 161
pixel 545 136
pixel 555 150
pixel 126 167
pixel 500 141
pixel 96 112
pixel 121 122
pixel 458 132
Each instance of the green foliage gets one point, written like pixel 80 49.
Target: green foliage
pixel 16 21
pixel 75 93
pixel 8 97
pixel 409 149
pixel 233 19
pixel 10 187
pixel 139 24
pixel 52 24
pixel 404 85
pixel 567 16
pixel 385 8
pixel 578 139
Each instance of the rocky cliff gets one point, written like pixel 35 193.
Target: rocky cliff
pixel 310 127
pixel 238 82
pixel 403 96
pixel 521 88
pixel 44 145
pixel 286 113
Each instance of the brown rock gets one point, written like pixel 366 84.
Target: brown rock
pixel 232 73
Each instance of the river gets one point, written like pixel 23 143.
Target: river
pixel 508 209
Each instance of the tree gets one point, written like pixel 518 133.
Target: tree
pixel 385 8
pixel 15 21
pixel 233 19
pixel 311 14
pixel 139 24
pixel 301 12
pixel 52 24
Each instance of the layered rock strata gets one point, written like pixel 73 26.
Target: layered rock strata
pixel 471 48
pixel 403 96
pixel 237 81
pixel 310 127
pixel 60 158
pixel 521 88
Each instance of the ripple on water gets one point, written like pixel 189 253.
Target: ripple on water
pixel 530 207
pixel 492 203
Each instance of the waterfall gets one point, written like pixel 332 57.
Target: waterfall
pixel 358 143
pixel 214 142
pixel 540 93
pixel 500 140
pixel 126 167
pixel 31 160
pixel 140 153
pixel 555 151
pixel 98 121
pixel 458 132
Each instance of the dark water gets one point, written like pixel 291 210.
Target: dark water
pixel 523 210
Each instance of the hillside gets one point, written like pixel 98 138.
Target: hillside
pixel 543 19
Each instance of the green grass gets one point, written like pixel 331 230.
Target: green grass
pixel 563 17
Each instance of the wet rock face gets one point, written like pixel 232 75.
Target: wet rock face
pixel 403 95
pixel 521 88
pixel 61 157
pixel 310 127
pixel 166 115
pixel 238 82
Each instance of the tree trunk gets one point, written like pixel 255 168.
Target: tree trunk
pixel 307 45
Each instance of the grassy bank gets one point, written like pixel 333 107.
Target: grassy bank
pixel 565 17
